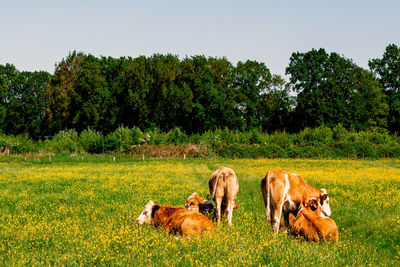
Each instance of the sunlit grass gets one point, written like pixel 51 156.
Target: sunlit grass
pixel 76 212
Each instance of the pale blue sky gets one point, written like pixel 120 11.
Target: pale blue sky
pixel 34 35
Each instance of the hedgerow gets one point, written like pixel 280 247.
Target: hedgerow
pixel 321 142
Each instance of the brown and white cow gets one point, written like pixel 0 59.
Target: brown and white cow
pixel 310 225
pixel 283 192
pixel 199 204
pixel 175 220
pixel 204 206
pixel 224 186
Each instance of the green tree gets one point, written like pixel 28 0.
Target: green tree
pixel 387 69
pixel 27 104
pixel 276 105
pixel 169 99
pixel 213 104
pixel 250 79
pixel 131 91
pixel 7 74
pixel 60 91
pixel 91 99
pixel 332 89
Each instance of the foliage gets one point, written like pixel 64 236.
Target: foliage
pixel 59 93
pixel 65 142
pixel 91 141
pixel 332 89
pixel 198 95
pixel 387 70
pixel 309 143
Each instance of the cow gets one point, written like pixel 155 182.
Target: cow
pixel 283 192
pixel 204 206
pixel 199 204
pixel 224 185
pixel 310 225
pixel 175 220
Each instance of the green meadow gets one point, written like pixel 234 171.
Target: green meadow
pixel 74 211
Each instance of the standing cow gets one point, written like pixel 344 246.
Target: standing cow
pixel 224 186
pixel 283 192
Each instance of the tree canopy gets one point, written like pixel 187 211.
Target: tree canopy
pixel 387 69
pixel 332 89
pixel 197 94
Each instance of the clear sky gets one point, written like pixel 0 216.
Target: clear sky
pixel 36 34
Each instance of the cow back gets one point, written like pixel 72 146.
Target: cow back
pixel 223 183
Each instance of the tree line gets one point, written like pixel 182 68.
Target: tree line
pixel 197 94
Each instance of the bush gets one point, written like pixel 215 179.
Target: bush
pixel 176 136
pixel 339 133
pixel 281 139
pixel 309 143
pixel 317 136
pixel 92 141
pixel 156 137
pixel 17 144
pixel 65 142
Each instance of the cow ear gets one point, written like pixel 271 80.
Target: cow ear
pixel 323 197
pixel 154 210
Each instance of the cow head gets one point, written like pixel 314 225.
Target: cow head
pixel 313 205
pixel 325 208
pixel 147 215
pixel 193 202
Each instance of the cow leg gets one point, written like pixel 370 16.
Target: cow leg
pixel 218 204
pixel 229 210
pixel 268 214
pixel 286 219
pixel 276 216
pixel 266 197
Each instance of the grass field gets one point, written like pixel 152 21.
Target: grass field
pixel 71 212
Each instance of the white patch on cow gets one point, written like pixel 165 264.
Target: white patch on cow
pixel 145 216
pixel 325 207
pixel 288 204
pixel 194 194
pixel 285 197
pixel 286 189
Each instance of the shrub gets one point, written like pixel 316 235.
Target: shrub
pixel 256 136
pixel 320 135
pixel 65 142
pixel 156 137
pixel 176 136
pixel 281 139
pixel 339 133
pixel 92 141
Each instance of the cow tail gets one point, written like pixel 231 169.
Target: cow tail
pixel 268 197
pixel 215 186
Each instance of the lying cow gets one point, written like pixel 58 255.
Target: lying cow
pixel 283 192
pixel 199 204
pixel 310 225
pixel 224 185
pixel 175 220
pixel 204 206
